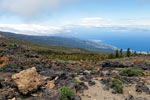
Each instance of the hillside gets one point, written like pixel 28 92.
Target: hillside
pixel 57 52
pixel 28 75
pixel 64 41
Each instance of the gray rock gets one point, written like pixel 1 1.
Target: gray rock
pixel 113 64
pixel 49 95
pixel 91 83
pixel 77 98
pixel 140 98
pixel 106 88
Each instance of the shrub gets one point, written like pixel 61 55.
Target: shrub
pixel 1 50
pixel 90 68
pixel 27 54
pixel 116 85
pixel 37 62
pixel 66 94
pixel 73 75
pixel 147 61
pixel 10 66
pixel 76 82
pixel 111 56
pixel 11 45
pixel 131 72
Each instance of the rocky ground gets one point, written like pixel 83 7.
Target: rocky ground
pixel 24 75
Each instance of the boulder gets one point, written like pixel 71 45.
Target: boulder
pixel 27 80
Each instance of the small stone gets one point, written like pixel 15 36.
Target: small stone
pixel 77 98
pixel 12 99
pixel 34 95
pixel 50 85
pixel 91 83
pixel 106 88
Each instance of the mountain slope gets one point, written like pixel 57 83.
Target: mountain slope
pixel 64 41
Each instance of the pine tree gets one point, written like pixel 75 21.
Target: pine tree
pixel 121 54
pixel 135 54
pixel 128 52
pixel 117 53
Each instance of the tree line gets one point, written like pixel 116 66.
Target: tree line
pixel 120 53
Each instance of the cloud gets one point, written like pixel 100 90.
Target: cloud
pixel 101 22
pixel 29 8
pixel 112 25
pixel 69 28
pixel 91 22
pixel 97 41
pixel 33 29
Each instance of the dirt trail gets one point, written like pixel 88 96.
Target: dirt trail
pixel 97 92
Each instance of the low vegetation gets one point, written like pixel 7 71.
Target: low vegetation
pixel 10 66
pixel 116 85
pixel 66 94
pixel 73 75
pixel 1 50
pixel 131 72
pixel 89 68
pixel 76 56
pixel 76 82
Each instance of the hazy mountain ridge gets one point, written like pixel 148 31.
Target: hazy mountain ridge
pixel 64 41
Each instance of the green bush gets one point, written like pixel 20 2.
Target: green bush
pixel 116 85
pixel 73 75
pixel 27 54
pixel 76 82
pixel 131 72
pixel 37 62
pixel 1 50
pixel 90 68
pixel 11 66
pixel 11 45
pixel 66 94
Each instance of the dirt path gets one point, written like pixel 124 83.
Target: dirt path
pixel 97 92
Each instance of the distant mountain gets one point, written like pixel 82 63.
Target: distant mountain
pixel 64 41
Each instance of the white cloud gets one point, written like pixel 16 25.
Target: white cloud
pixel 115 24
pixel 32 29
pixel 91 20
pixel 97 41
pixel 28 8
pixel 106 25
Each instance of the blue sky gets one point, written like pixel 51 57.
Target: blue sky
pixel 60 15
pixel 110 9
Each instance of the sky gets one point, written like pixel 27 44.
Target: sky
pixel 50 17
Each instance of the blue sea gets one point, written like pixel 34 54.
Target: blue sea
pixel 138 41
